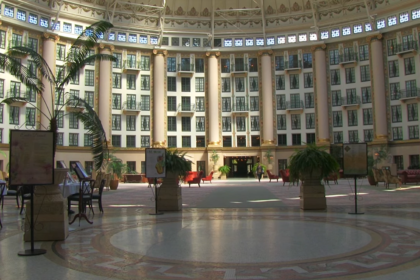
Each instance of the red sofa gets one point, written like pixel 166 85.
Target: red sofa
pixel 193 177
pixel 409 176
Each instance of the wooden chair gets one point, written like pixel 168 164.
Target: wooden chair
pixel 208 178
pixel 272 176
pixel 98 196
pixel 84 198
pixel 390 179
pixel 285 175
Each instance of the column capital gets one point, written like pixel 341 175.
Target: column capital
pixel 320 47
pixel 159 144
pixel 51 36
pixel 376 37
pixel 108 46
pixel 160 52
pixel 213 54
pixel 323 141
pixel 265 52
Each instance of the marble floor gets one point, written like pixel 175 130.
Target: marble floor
pixel 233 229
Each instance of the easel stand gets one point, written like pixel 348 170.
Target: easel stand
pixel 32 251
pixel 355 198
pixel 156 201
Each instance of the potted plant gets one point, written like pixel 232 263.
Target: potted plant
pixel 254 169
pixel 374 157
pixel 224 170
pixel 176 164
pixel 117 168
pixel 310 165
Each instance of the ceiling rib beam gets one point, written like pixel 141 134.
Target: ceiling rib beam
pixel 263 20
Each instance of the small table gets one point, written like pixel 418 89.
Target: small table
pixel 85 188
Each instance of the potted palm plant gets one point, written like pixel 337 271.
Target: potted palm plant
pixel 176 164
pixel 116 167
pixel 224 170
pixel 310 165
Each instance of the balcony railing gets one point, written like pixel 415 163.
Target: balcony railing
pixel 348 58
pixel 186 108
pixel 295 105
pixel 15 93
pixel 240 108
pixel 243 67
pixel 406 47
pixel 291 65
pixel 131 65
pixel 350 100
pixel 74 103
pixel 185 67
pixel 132 106
pixel 409 93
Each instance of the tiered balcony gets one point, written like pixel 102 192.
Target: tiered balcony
pixel 407 47
pixel 295 106
pixel 349 58
pixel 74 105
pixel 408 94
pixel 240 69
pixel 240 109
pixel 186 109
pixel 21 97
pixel 294 65
pixel 131 65
pixel 350 101
pixel 131 107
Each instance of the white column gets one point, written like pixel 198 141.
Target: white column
pixel 47 105
pixel 213 99
pixel 159 99
pixel 267 99
pixel 104 104
pixel 378 90
pixel 320 82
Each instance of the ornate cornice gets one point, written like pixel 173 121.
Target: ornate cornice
pixel 51 36
pixel 318 47
pixel 376 37
pixel 214 53
pixel 106 46
pixel 160 52
pixel 265 52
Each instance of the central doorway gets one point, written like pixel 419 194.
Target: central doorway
pixel 241 166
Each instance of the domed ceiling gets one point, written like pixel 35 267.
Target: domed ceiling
pixel 218 18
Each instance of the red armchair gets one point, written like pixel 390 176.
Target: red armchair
pixel 195 180
pixel 272 176
pixel 208 178
pixel 285 175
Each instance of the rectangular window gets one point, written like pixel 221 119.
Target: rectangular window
pixel 116 80
pixel 396 114
pixel 171 104
pixel 392 47
pixel 60 72
pixel 199 65
pixel 294 81
pixel 116 140
pixel 254 103
pixel 226 124
pixel 335 77
pixel 255 123
pixel 171 64
pixel 412 111
pixel 171 86
pixel 89 78
pixel 411 88
pixel 60 139
pixel 186 141
pixel 116 122
pixel 282 140
pixel 226 104
pixel 225 84
pixel 227 141
pixel 171 123
pixel 393 69
pixel 145 82
pixel 199 104
pixel 200 142
pixel 413 132
pixel 239 65
pixel 394 91
pixel 239 84
pixel 337 118
pixel 409 66
pixel 30 116
pixel 225 65
pixel 281 122
pixel 280 84
pixel 59 98
pixel 364 52
pixel 367 116
pixel 116 101
pixel 364 73
pixel 118 60
pixel 397 133
pixel 73 121
pixel 131 81
pixel 60 52
pixel 186 103
pixel 186 123
pixel 89 54
pixel 334 57
pixel 240 104
pixel 307 60
pixel 1 88
pixel 14 115
pixel 310 120
pixel 145 103
pixel 60 118
pixel 240 141
pixel 279 60
pixel 88 140
pixel 368 135
pixel 352 117
pixel 310 138
pixel 2 39
pixel 350 76
pixel 295 118
pixel 131 61
pixel 414 162
pixel 172 142
pixel 353 136
pixel 145 141
pixel 253 64
pixel 338 137
pixel 309 100
pixel 131 123
pixel 255 141
pixel 145 123
pixel 186 65
pixel 145 63
pixel 366 95
pixel 253 83
pixel 281 101
pixel 308 80
pixel 398 160
pixel 16 40
pixel 185 84
pixel 240 124
pixel 130 141
pixel 199 84
pixel 1 112
pixel 73 139
pixel 296 139
pixel 200 124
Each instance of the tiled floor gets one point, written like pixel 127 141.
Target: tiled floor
pixel 234 229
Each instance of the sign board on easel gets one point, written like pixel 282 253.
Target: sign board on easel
pixel 155 163
pixel 355 159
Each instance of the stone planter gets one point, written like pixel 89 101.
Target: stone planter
pixel 312 193
pixel 169 194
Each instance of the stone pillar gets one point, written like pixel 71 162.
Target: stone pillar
pixel 267 98
pixel 213 99
pixel 47 106
pixel 321 88
pixel 159 112
pixel 378 88
pixel 105 90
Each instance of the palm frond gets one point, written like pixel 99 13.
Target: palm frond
pixel 93 125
